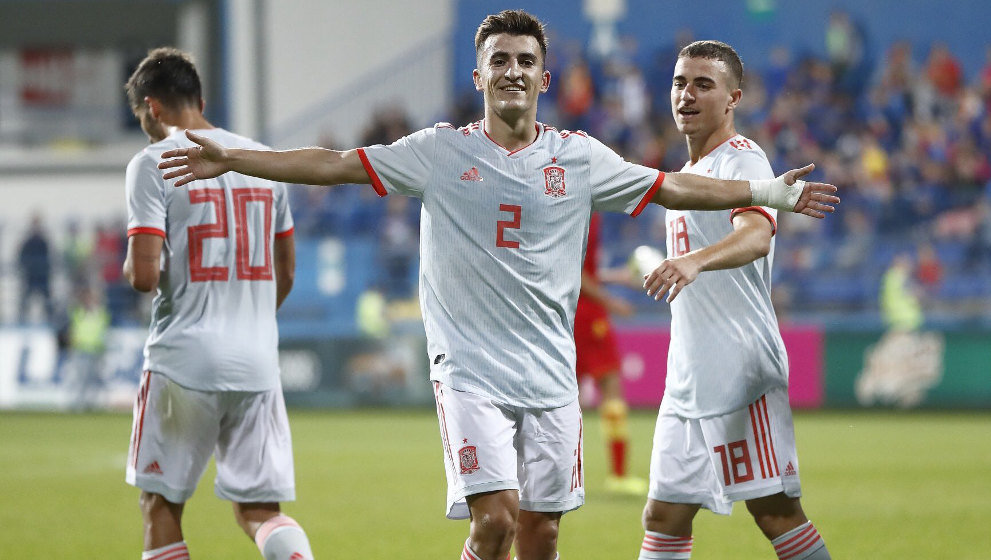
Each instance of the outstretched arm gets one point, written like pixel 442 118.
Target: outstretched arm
pixel 308 166
pixel 686 191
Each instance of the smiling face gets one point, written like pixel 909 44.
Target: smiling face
pixel 702 98
pixel 511 75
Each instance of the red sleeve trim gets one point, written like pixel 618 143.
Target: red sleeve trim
pixel 148 230
pixel 649 195
pixel 376 182
pixel 766 214
pixel 287 233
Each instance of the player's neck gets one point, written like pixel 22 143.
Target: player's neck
pixel 186 119
pixel 701 146
pixel 511 133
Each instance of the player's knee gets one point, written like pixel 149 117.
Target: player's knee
pixel 538 528
pixel 668 518
pixel 494 527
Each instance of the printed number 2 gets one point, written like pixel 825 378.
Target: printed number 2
pixel 502 225
pixel 242 229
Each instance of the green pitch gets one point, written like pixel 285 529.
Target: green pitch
pixel 371 485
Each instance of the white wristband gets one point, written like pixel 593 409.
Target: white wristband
pixel 774 193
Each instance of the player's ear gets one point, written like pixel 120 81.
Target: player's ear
pixel 476 77
pixel 154 107
pixel 734 98
pixel 545 82
pixel 202 105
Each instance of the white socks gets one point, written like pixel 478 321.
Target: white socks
pixel 658 546
pixel 174 551
pixel 281 538
pixel 801 543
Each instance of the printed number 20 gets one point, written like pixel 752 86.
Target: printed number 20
pixel 502 225
pixel 242 228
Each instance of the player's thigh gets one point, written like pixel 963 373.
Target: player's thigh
pixel 478 437
pixel 254 451
pixel 753 449
pixel 681 471
pixel 173 435
pixel 551 465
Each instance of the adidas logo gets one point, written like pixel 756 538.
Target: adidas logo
pixel 153 468
pixel 471 175
pixel 790 470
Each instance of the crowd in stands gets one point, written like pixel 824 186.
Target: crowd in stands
pixel 905 134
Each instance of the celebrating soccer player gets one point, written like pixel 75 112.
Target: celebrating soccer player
pixel 506 203
pixel 724 430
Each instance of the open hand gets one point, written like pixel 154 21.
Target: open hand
pixel 205 161
pixel 816 198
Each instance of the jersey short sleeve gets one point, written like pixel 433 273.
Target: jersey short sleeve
pixel 618 185
pixel 748 165
pixel 403 167
pixel 144 192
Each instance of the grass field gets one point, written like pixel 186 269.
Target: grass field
pixel 371 485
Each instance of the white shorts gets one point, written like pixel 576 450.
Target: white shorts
pixel 745 454
pixel 490 446
pixel 176 430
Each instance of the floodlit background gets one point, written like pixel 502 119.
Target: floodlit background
pixel 885 306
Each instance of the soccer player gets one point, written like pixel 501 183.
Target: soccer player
pixel 222 258
pixel 506 205
pixel 598 358
pixel 724 430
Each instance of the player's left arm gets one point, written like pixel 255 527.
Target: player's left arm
pixel 141 266
pixel 749 241
pixel 285 267
pixel 687 191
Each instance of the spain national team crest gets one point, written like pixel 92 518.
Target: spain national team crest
pixel 554 182
pixel 469 459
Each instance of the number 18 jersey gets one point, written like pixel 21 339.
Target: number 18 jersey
pixel 213 325
pixel 726 350
pixel 502 239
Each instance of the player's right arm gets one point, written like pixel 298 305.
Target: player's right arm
pixel 307 166
pixel 141 266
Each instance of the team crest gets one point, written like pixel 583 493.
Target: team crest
pixel 469 459
pixel 554 182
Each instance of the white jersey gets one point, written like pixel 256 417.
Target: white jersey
pixel 213 324
pixel 501 246
pixel 726 350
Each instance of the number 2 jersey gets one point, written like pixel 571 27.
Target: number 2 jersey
pixel 726 349
pixel 502 241
pixel 213 325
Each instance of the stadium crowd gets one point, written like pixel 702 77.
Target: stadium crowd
pixel 906 137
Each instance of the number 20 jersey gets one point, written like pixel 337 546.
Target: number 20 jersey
pixel 213 325
pixel 502 239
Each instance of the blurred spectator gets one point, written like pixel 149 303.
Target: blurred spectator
pixel 36 270
pixel 900 307
pixel 929 270
pixel 845 48
pixel 77 254
pixel 89 322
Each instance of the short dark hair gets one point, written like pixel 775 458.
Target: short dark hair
pixel 716 50
pixel 511 22
pixel 168 75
